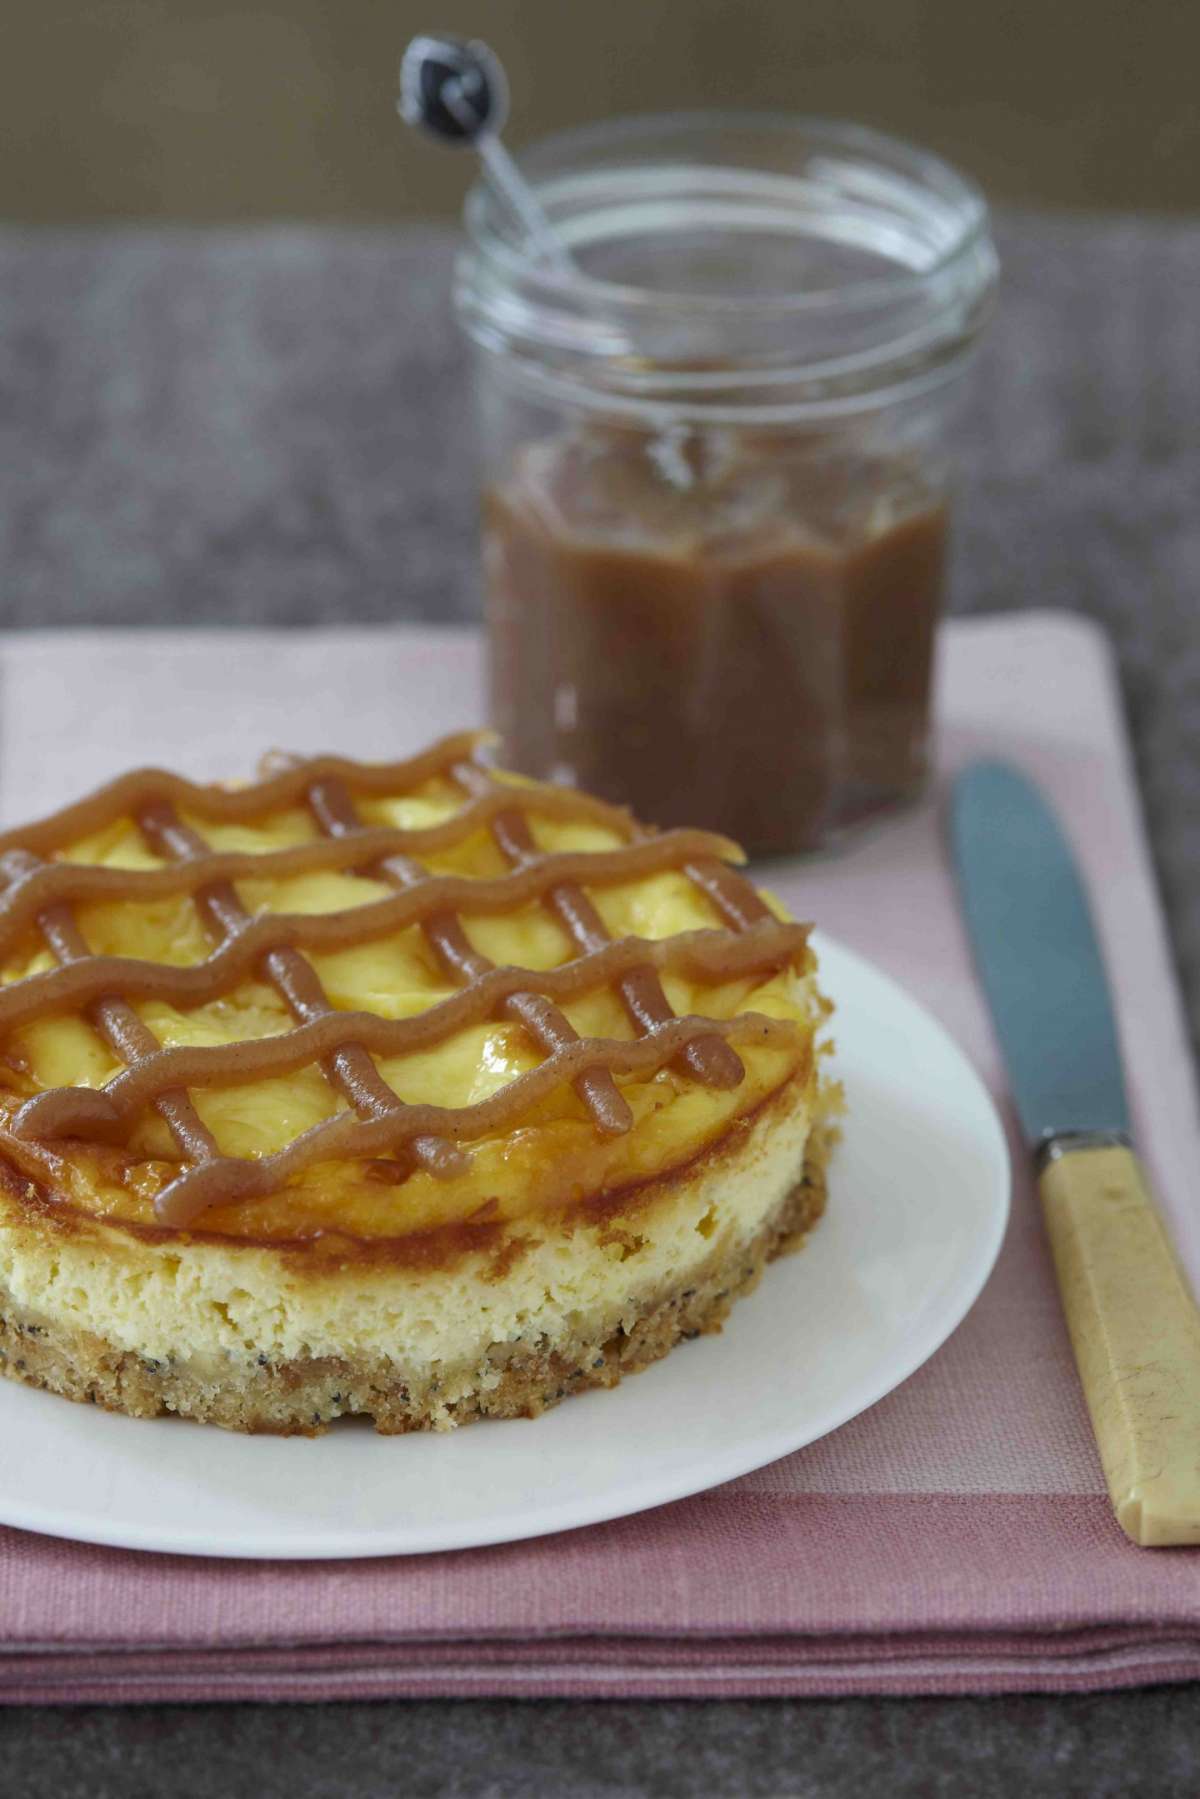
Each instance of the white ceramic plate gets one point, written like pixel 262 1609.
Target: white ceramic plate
pixel 918 1203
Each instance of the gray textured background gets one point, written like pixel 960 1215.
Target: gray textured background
pixel 271 426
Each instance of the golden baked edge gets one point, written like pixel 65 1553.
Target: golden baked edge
pixel 252 1339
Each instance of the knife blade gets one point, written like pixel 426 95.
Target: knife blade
pixel 1133 1322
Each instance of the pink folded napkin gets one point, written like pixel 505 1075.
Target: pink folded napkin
pixel 955 1538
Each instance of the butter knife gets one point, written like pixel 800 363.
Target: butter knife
pixel 1134 1324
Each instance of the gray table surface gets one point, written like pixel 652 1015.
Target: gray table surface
pixel 272 427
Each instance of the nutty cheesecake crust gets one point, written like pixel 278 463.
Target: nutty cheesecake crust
pixel 302 1397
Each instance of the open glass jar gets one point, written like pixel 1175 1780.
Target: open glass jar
pixel 717 462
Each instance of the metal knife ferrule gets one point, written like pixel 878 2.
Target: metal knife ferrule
pixel 1055 1144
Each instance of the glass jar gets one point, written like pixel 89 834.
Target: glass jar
pixel 716 461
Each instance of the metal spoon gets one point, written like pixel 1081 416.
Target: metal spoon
pixel 457 90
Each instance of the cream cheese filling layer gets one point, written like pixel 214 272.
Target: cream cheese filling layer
pixel 208 1307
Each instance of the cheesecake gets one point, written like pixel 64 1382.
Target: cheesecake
pixel 415 1091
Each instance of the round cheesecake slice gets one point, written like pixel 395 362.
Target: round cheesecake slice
pixel 411 1091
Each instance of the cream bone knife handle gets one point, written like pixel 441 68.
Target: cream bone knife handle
pixel 1135 1330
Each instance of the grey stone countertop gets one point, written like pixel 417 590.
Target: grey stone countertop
pixel 272 426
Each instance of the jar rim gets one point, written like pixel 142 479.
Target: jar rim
pixel 686 190
pixel 937 179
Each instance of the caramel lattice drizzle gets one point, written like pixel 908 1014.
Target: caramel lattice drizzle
pixel 709 1059
pixel 349 1069
pixel 341 1043
pixel 335 812
pixel 115 1021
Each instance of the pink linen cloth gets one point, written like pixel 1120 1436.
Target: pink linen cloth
pixel 955 1538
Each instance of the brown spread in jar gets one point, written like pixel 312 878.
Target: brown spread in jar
pixel 730 626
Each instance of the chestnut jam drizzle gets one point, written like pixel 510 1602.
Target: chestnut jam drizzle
pixel 168 809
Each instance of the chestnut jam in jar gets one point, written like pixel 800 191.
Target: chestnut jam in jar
pixel 717 458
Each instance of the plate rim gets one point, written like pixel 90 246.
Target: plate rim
pixel 606 1505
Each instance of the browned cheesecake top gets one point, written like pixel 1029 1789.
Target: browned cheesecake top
pixel 232 996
